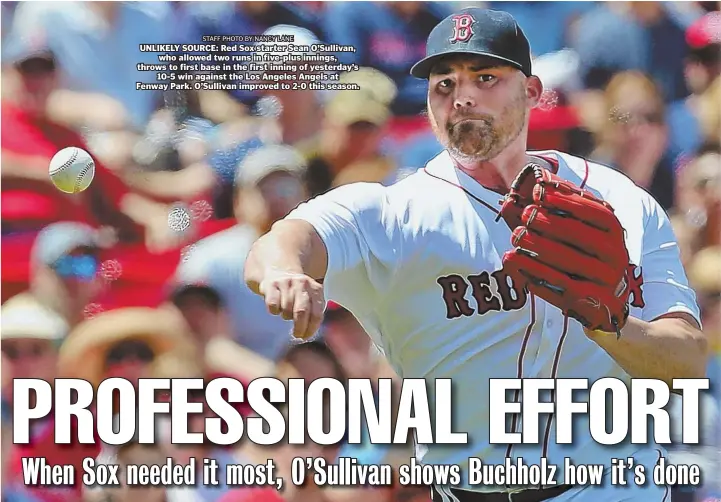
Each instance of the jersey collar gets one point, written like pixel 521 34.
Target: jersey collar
pixel 444 167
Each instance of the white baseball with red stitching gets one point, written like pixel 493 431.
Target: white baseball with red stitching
pixel 72 170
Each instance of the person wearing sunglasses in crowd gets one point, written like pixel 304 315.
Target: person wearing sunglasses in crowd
pixel 64 263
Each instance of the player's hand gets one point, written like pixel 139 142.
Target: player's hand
pixel 295 296
pixel 569 249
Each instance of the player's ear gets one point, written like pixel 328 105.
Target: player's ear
pixel 534 89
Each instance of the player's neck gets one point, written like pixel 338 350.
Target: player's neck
pixel 496 174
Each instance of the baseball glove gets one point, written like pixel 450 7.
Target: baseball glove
pixel 569 249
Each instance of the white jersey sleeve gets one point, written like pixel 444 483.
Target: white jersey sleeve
pixel 358 229
pixel 665 286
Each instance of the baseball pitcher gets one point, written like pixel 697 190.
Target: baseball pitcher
pixel 495 262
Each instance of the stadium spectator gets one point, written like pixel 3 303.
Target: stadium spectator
pixel 702 67
pixel 31 335
pixel 551 35
pixel 206 315
pixel 172 366
pixel 30 139
pixel 241 18
pixel 64 266
pixel 131 453
pixel 699 196
pixel 123 343
pixel 13 489
pixel 635 137
pixel 388 36
pixel 686 236
pixel 268 186
pixel 294 114
pixel 200 304
pixel 237 18
pixel 705 277
pixel 313 360
pixel 97 45
pixel 620 36
pixel 248 453
pixel 348 147
pixel 281 116
pixel 359 358
pixel 350 344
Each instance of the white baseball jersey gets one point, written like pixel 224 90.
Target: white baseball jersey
pixel 419 263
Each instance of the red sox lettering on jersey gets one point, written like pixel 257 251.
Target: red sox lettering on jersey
pixel 455 287
pixel 510 297
pixel 635 278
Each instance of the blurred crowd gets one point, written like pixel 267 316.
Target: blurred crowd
pixel 141 274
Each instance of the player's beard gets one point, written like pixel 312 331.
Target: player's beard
pixel 486 136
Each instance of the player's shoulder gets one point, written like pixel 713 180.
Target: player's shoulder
pixel 395 193
pixel 387 204
pixel 610 184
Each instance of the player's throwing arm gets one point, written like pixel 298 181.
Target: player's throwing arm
pixel 284 267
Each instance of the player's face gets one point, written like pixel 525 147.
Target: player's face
pixel 477 110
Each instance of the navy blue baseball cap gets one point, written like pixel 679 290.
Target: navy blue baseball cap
pixel 482 32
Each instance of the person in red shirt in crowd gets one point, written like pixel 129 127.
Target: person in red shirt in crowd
pixel 31 335
pixel 30 138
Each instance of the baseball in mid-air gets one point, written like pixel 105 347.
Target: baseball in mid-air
pixel 72 169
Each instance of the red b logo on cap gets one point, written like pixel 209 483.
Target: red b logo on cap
pixel 462 28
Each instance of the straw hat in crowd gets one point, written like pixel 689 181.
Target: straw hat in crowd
pixel 83 353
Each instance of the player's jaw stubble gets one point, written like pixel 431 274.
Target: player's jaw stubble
pixel 484 137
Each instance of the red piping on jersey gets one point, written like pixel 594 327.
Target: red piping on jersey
pixel 554 163
pixel 519 372
pixel 462 188
pixel 585 176
pixel 550 160
pixel 554 374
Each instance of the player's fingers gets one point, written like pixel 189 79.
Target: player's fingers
pixel 316 314
pixel 569 231
pixel 301 313
pixel 287 300
pixel 542 280
pixel 272 297
pixel 581 208
pixel 563 258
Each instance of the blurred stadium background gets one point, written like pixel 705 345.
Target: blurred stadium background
pixel 140 275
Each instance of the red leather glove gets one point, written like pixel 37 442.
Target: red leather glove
pixel 569 249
